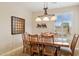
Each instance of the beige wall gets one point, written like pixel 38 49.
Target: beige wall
pixel 75 19
pixel 8 41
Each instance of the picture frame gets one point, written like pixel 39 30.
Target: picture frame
pixel 17 25
pixel 43 25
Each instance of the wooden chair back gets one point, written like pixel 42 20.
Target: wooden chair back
pixel 25 43
pixel 47 38
pixel 25 37
pixel 33 38
pixel 34 46
pixel 47 49
pixel 74 42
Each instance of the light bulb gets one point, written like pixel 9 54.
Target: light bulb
pixel 38 19
pixel 53 18
pixel 45 19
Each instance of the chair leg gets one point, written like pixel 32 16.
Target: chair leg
pixel 72 54
pixel 24 49
pixel 55 52
pixel 58 53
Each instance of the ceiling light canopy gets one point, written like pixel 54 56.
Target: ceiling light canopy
pixel 46 16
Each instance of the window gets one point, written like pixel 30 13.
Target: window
pixel 63 23
pixel 17 25
pixel 63 26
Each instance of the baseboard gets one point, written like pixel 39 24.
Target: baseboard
pixel 12 52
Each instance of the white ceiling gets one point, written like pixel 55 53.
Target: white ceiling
pixel 38 6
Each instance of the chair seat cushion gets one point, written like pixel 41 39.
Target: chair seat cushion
pixel 65 50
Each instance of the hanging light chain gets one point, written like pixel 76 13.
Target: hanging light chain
pixel 45 8
pixel 45 4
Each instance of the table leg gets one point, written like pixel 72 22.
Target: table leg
pixel 57 52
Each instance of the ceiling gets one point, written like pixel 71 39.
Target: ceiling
pixel 38 6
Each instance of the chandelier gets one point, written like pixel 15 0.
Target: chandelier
pixel 46 16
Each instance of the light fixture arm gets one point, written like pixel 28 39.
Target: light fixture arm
pixel 46 16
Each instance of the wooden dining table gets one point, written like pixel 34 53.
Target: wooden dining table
pixel 57 45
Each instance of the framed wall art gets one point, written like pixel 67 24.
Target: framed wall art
pixel 17 25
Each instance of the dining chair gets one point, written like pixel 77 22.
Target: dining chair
pixel 47 49
pixel 70 50
pixel 26 43
pixel 34 46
